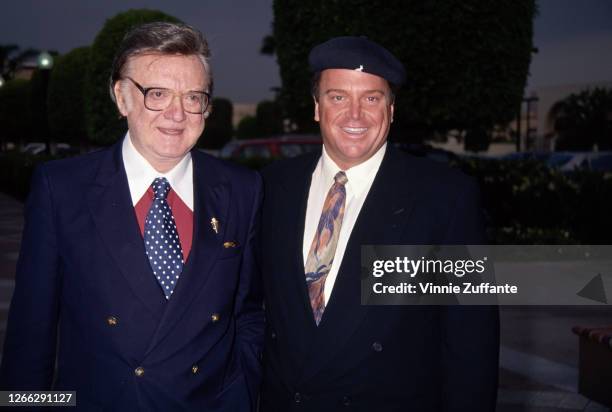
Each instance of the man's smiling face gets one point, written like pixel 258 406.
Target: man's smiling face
pixel 162 137
pixel 355 110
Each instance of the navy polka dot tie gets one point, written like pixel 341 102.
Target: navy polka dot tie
pixel 161 239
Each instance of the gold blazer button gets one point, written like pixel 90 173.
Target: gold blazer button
pixel 112 321
pixel 215 317
pixel 230 244
pixel 194 369
pixel 139 371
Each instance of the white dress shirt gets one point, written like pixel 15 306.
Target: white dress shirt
pixel 359 182
pixel 140 174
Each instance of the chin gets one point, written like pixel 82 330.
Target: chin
pixel 173 145
pixel 177 154
pixel 353 152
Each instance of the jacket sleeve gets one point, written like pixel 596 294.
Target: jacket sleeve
pixel 249 307
pixel 470 334
pixel 28 358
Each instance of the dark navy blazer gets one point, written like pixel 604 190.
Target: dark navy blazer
pixel 374 358
pixel 83 281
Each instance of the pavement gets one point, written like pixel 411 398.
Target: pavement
pixel 538 355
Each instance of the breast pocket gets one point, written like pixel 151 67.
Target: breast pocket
pixel 230 249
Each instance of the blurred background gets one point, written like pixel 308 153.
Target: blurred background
pixel 516 93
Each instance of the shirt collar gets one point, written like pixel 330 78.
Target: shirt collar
pixel 141 174
pixel 359 177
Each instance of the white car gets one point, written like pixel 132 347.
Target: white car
pixel 39 148
pixel 572 161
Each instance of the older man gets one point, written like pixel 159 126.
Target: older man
pixel 138 260
pixel 324 351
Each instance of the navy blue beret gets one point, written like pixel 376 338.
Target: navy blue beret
pixel 357 53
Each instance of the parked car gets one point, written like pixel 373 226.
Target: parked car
pixel 37 148
pixel 568 162
pixel 572 161
pixel 530 155
pixel 602 163
pixel 279 147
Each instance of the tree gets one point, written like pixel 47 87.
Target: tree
pixel 39 89
pixel 15 112
pixel 583 120
pixel 269 118
pixel 6 50
pixel 66 97
pixel 103 121
pixel 247 128
pixel 267 122
pixel 37 102
pixel 467 60
pixel 219 129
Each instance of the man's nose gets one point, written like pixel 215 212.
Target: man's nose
pixel 175 110
pixel 355 109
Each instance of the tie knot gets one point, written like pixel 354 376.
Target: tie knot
pixel 160 187
pixel 341 178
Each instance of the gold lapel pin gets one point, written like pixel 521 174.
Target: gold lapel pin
pixel 215 224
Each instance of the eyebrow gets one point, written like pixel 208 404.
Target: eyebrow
pixel 164 88
pixel 168 88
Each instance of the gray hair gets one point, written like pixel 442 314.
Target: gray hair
pixel 162 38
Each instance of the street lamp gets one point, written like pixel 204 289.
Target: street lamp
pixel 45 64
pixel 1 81
pixel 45 61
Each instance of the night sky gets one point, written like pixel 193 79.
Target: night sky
pixel 574 37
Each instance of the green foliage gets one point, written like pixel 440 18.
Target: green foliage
pixel 66 98
pixel 247 128
pixel 39 87
pixel 269 118
pixel 267 46
pixel 103 123
pixel 583 120
pixel 467 60
pixel 267 122
pixel 16 172
pixel 6 50
pixel 292 47
pixel 37 101
pixel 15 120
pixel 529 203
pixel 219 129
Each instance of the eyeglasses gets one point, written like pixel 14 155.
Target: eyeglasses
pixel 158 98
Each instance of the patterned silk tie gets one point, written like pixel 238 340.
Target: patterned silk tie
pixel 323 247
pixel 161 239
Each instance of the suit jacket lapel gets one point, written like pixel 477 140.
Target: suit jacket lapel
pixel 380 221
pixel 296 188
pixel 113 214
pixel 211 200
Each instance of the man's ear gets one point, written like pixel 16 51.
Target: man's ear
pixel 316 109
pixel 120 99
